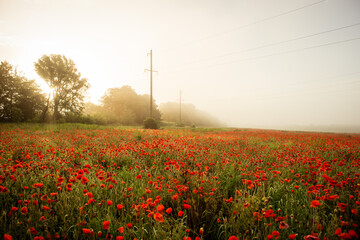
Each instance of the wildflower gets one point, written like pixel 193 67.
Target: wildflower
pixel 109 203
pixel 314 204
pixel 275 234
pixel 121 229
pixel 24 210
pixel 233 238
pixel 169 210
pixel 119 207
pixel 338 231
pixel 353 234
pixel 292 236
pixel 129 225
pixel 158 217
pixel 354 211
pixel 311 237
pixel 106 225
pixel 187 206
pixel 33 230
pixel 175 197
pixel 160 208
pixel 37 185
pixel 181 213
pixel 7 237
pixel 86 231
pixel 342 206
pixel 39 238
pixel 283 225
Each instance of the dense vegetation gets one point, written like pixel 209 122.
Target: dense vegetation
pixel 21 100
pixel 177 184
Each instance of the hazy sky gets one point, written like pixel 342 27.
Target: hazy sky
pixel 251 63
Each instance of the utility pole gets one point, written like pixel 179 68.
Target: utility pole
pixel 151 71
pixel 180 109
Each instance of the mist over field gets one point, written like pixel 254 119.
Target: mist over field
pixel 279 64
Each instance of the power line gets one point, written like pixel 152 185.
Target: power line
pixel 246 25
pixel 312 81
pixel 271 44
pixel 270 55
pixel 354 86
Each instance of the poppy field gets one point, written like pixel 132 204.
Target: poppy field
pixel 178 184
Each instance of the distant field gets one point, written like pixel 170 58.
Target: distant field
pixel 91 182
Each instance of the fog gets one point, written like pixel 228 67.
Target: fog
pixel 281 64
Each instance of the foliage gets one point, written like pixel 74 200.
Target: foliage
pixel 20 98
pixel 66 82
pixel 150 123
pixel 77 183
pixel 123 106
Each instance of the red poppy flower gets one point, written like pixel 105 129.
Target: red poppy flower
pixel 7 237
pixel 33 230
pixel 160 208
pixel 86 231
pixel 338 231
pixel 158 217
pixel 275 234
pixel 121 229
pixel 119 207
pixel 283 225
pixel 354 211
pixel 353 234
pixel 14 209
pixel 314 204
pixel 292 236
pixel 106 225
pixel 39 238
pixel 129 225
pixel 311 237
pixel 37 185
pixel 89 194
pixel 119 238
pixel 24 210
pixel 181 213
pixel 169 210
pixel 342 205
pixel 187 206
pixel 109 203
pixel 233 238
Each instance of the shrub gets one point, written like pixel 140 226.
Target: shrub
pixel 150 123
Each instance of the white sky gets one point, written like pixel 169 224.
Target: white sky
pixel 251 63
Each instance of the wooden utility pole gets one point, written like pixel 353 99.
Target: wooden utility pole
pixel 151 71
pixel 180 109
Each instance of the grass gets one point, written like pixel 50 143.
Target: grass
pixel 242 183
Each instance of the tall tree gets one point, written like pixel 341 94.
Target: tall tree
pixel 124 105
pixel 20 99
pixel 69 88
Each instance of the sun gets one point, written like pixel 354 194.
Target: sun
pixel 35 50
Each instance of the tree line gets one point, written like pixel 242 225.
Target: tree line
pixel 21 99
